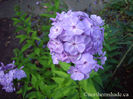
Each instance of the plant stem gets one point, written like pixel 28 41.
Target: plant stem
pixel 122 60
pixel 119 65
pixel 79 89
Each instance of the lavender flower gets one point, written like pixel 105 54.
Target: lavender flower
pixel 58 48
pixel 75 45
pixel 55 31
pixel 76 37
pixel 9 88
pixel 19 74
pixel 103 58
pixel 86 63
pixel 8 73
pixel 97 20
pixel 75 73
pixel 73 26
pixel 8 66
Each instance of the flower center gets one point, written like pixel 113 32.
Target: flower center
pixel 56 30
pixel 74 27
pixel 85 62
pixel 73 43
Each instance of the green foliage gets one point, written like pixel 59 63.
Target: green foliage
pixel 89 88
pixel 118 38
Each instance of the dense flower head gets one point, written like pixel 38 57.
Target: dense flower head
pixel 8 73
pixel 76 37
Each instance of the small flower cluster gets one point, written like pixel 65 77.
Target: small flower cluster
pixel 8 73
pixel 76 38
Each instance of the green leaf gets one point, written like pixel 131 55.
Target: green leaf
pixel 43 62
pixel 89 87
pixel 44 88
pixel 114 54
pixel 68 90
pixel 34 94
pixel 20 91
pixel 98 80
pixel 30 42
pixel 15 21
pixel 35 81
pixel 84 95
pixel 16 50
pixel 36 38
pixel 59 93
pixel 28 19
pixel 107 47
pixel 19 28
pixel 61 74
pixel 112 60
pixel 68 82
pixel 114 48
pixel 74 96
pixel 25 47
pixel 96 77
pixel 24 89
pixel 45 28
pixel 64 65
pixel 57 3
pixel 34 34
pixel 58 80
pixel 21 37
pixel 48 15
pixel 37 51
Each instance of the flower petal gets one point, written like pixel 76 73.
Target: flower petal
pixel 77 76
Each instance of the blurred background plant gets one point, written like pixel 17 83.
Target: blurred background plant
pixel 118 14
pixel 47 81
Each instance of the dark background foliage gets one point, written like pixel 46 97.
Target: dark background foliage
pixel 119 15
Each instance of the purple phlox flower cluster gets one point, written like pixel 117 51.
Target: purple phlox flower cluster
pixel 8 73
pixel 76 37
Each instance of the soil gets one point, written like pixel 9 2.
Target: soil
pixel 7 40
pixel 7 44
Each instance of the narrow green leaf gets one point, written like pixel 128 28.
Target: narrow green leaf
pixel 36 38
pixel 33 94
pixel 58 80
pixel 44 88
pixel 61 74
pixel 21 37
pixel 89 88
pixel 37 51
pixel 25 47
pixel 15 21
pixel 64 65
pixel 57 3
pixel 48 15
pixel 45 28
